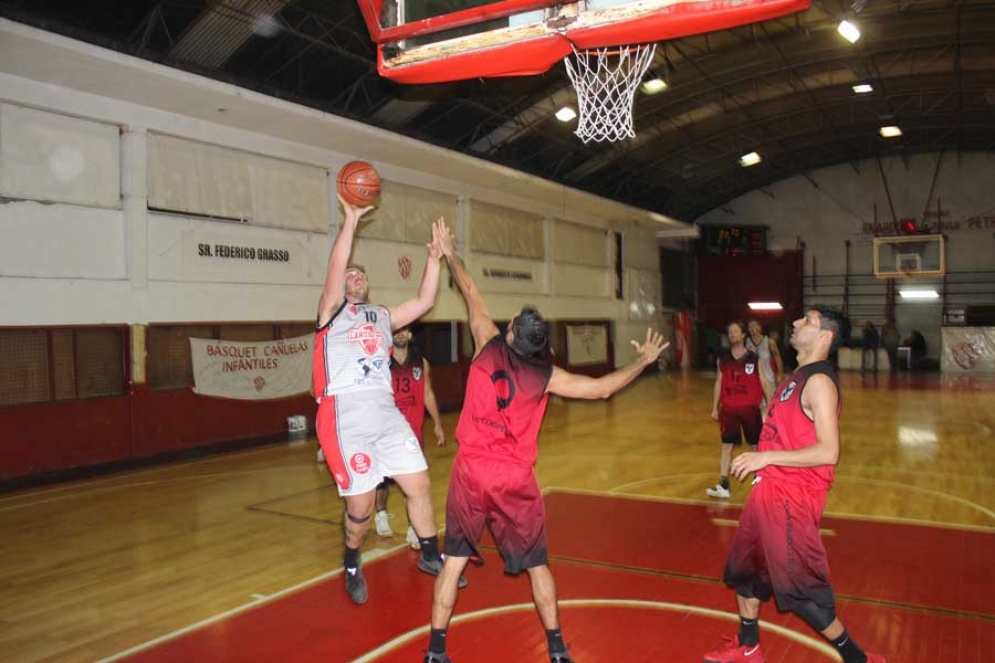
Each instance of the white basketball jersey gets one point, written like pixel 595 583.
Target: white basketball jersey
pixel 763 352
pixel 352 352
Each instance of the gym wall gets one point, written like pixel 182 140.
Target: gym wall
pixel 156 216
pixel 948 193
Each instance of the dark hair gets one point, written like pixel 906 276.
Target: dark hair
pixel 738 323
pixel 833 321
pixel 531 332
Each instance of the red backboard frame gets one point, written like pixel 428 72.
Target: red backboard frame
pixel 535 51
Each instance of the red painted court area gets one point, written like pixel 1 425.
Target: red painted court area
pixel 638 581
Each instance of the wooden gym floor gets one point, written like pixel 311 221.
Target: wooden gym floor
pixel 236 557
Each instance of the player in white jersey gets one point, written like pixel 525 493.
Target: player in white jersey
pixel 363 435
pixel 766 348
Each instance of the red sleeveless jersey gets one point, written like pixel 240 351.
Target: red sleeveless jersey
pixel 788 427
pixel 741 387
pixel 409 391
pixel 504 404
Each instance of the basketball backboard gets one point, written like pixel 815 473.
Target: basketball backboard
pixel 909 256
pixel 431 41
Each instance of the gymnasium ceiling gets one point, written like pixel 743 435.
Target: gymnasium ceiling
pixel 782 88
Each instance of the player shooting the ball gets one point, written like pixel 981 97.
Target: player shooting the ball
pixel 363 435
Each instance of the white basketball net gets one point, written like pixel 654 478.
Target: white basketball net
pixel 606 80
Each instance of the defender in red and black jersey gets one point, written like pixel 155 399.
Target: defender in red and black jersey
pixel 493 480
pixel 740 388
pixel 777 550
pixel 411 382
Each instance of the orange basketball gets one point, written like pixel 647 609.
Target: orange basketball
pixel 358 183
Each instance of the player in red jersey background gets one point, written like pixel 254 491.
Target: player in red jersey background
pixel 778 549
pixel 740 389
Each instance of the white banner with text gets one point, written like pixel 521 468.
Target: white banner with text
pixel 252 371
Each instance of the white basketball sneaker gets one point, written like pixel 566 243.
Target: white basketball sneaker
pixel 718 491
pixel 413 539
pixel 383 527
pixel 321 456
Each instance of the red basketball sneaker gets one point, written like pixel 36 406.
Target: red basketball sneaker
pixel 737 653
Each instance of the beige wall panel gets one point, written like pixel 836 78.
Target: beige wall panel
pixel 579 245
pixel 504 231
pixel 578 281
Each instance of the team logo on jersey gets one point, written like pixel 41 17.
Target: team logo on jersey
pixel 367 337
pixel 360 463
pixel 790 389
pixel 416 372
pixel 750 368
pixel 368 365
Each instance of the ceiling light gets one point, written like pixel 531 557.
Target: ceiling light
pixel 849 31
pixel 919 294
pixel 750 159
pixel 890 132
pixel 566 114
pixel 765 306
pixel 654 85
pixel 863 88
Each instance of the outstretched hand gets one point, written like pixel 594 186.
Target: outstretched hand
pixel 435 247
pixel 444 235
pixel 351 211
pixel 650 350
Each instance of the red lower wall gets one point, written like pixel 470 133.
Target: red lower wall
pixel 59 436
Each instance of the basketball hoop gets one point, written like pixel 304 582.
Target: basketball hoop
pixel 606 80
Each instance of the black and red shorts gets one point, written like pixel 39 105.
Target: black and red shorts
pixel 505 497
pixel 777 550
pixel 734 419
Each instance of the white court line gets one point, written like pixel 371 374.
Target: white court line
pixel 801 639
pixel 372 555
pixel 618 491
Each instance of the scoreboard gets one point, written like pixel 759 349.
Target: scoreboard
pixel 733 240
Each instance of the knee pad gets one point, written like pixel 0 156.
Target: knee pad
pixel 815 615
pixel 357 520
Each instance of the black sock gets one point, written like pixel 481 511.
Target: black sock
pixel 555 640
pixel 429 547
pixel 724 482
pixel 848 649
pixel 437 641
pixel 351 560
pixel 749 632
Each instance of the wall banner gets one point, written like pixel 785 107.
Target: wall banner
pixel 968 350
pixel 587 344
pixel 252 371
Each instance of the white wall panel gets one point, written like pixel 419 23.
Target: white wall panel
pixel 189 249
pixel 51 157
pixel 61 241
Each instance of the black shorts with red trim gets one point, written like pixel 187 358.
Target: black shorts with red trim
pixel 734 419
pixel 777 550
pixel 505 497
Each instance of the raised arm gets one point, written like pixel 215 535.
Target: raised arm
pixel 481 325
pixel 338 260
pixel 571 385
pixel 432 406
pixel 404 314
pixel 820 400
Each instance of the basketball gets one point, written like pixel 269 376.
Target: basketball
pixel 358 183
